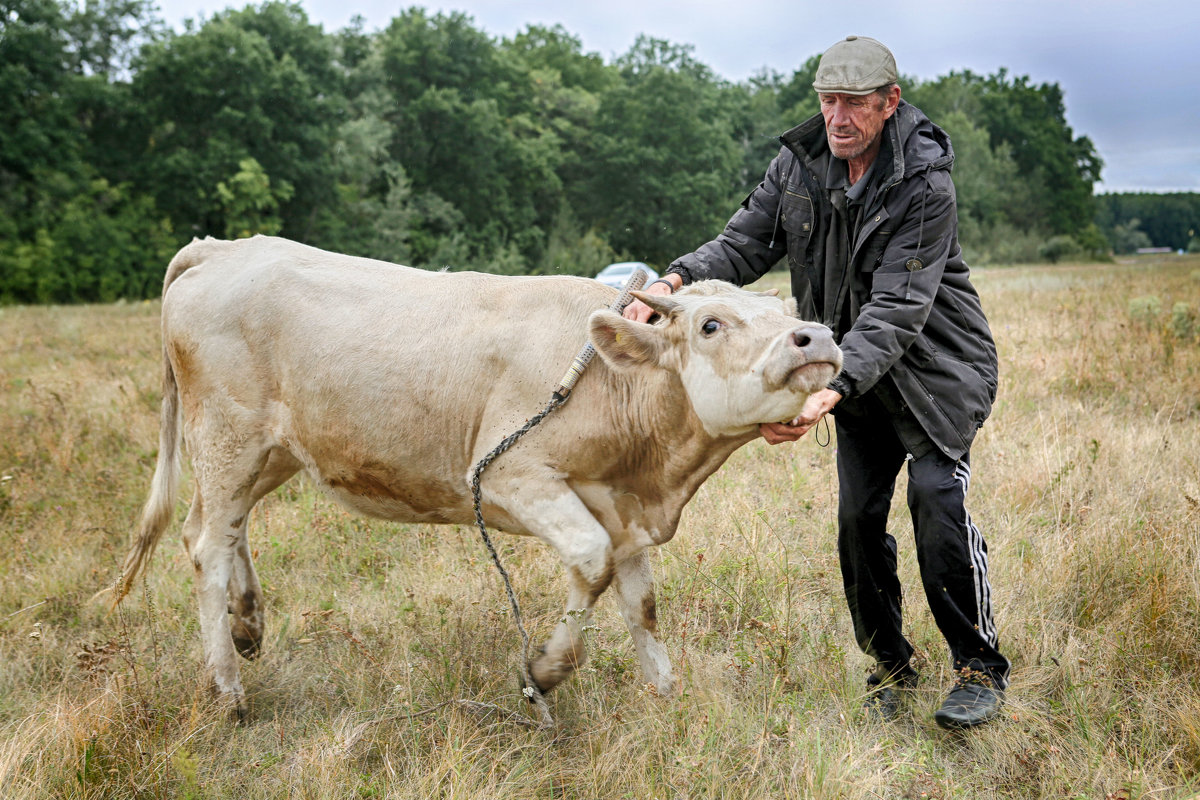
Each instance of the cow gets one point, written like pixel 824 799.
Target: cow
pixel 387 384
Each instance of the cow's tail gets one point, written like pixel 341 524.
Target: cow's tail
pixel 164 488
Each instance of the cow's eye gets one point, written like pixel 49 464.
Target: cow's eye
pixel 710 326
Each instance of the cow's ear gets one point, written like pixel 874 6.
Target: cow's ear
pixel 625 344
pixel 791 307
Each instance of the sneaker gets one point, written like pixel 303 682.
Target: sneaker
pixel 887 692
pixel 973 701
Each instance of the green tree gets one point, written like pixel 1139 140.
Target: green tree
pixel 757 122
pixel 23 276
pixel 1094 244
pixel 101 243
pixel 250 202
pixel 663 161
pixel 257 83
pixel 797 98
pixel 431 143
pixel 71 232
pixel 1060 248
pixel 956 92
pixel 566 87
pixel 374 214
pixel 38 134
pixel 1061 167
pixel 105 35
pixel 1169 219
pixel 104 39
pixel 554 50
pixel 984 177
pixel 1024 180
pixel 1129 237
pixel 112 242
pixel 466 131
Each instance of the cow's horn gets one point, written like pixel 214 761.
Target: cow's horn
pixel 663 304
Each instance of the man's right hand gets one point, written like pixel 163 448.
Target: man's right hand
pixel 639 311
pixel 816 406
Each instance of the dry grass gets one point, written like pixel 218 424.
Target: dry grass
pixel 1086 483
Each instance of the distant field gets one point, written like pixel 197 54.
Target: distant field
pixel 1086 483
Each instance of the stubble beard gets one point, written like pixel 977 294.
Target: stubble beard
pixel 846 152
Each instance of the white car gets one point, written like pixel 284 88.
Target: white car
pixel 615 275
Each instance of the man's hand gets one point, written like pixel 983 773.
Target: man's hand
pixel 816 406
pixel 639 311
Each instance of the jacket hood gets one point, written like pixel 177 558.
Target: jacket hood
pixel 916 143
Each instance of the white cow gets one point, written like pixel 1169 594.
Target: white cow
pixel 387 384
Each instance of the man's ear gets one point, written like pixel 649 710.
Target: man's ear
pixel 625 344
pixel 892 101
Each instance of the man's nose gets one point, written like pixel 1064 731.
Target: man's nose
pixel 841 115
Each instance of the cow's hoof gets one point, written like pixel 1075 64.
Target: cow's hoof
pixel 232 703
pixel 248 647
pixel 247 639
pixel 527 690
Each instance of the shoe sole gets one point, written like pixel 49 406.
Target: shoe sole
pixel 956 724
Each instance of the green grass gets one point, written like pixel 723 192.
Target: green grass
pixel 1086 484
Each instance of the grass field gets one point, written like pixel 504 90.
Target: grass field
pixel 1086 483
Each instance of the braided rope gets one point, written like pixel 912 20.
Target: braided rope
pixel 530 688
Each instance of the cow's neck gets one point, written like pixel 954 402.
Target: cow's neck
pixel 663 442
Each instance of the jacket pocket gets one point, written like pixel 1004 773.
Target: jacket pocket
pixel 962 397
pixel 920 352
pixel 872 252
pixel 796 217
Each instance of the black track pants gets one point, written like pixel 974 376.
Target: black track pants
pixel 950 549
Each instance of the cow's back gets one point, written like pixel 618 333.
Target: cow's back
pixel 384 381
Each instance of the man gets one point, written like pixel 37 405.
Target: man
pixel 861 202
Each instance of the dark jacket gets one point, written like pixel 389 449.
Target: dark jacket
pixel 903 306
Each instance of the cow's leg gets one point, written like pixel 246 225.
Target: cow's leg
pixel 226 472
pixel 562 521
pixel 633 584
pixel 246 622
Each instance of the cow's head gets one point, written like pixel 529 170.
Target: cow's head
pixel 743 357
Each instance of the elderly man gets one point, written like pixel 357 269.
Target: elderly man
pixel 861 202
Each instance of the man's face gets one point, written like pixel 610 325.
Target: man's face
pixel 853 123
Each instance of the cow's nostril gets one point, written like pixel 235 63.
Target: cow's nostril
pixel 801 339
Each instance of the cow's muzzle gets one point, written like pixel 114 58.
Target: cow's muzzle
pixel 813 357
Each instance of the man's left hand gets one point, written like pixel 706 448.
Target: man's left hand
pixel 816 406
pixel 639 311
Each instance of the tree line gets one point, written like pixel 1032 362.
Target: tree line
pixel 433 144
pixel 1144 219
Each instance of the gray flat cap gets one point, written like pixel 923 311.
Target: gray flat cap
pixel 856 65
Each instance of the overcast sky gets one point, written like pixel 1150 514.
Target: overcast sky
pixel 1130 70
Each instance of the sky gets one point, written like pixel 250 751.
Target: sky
pixel 1130 71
